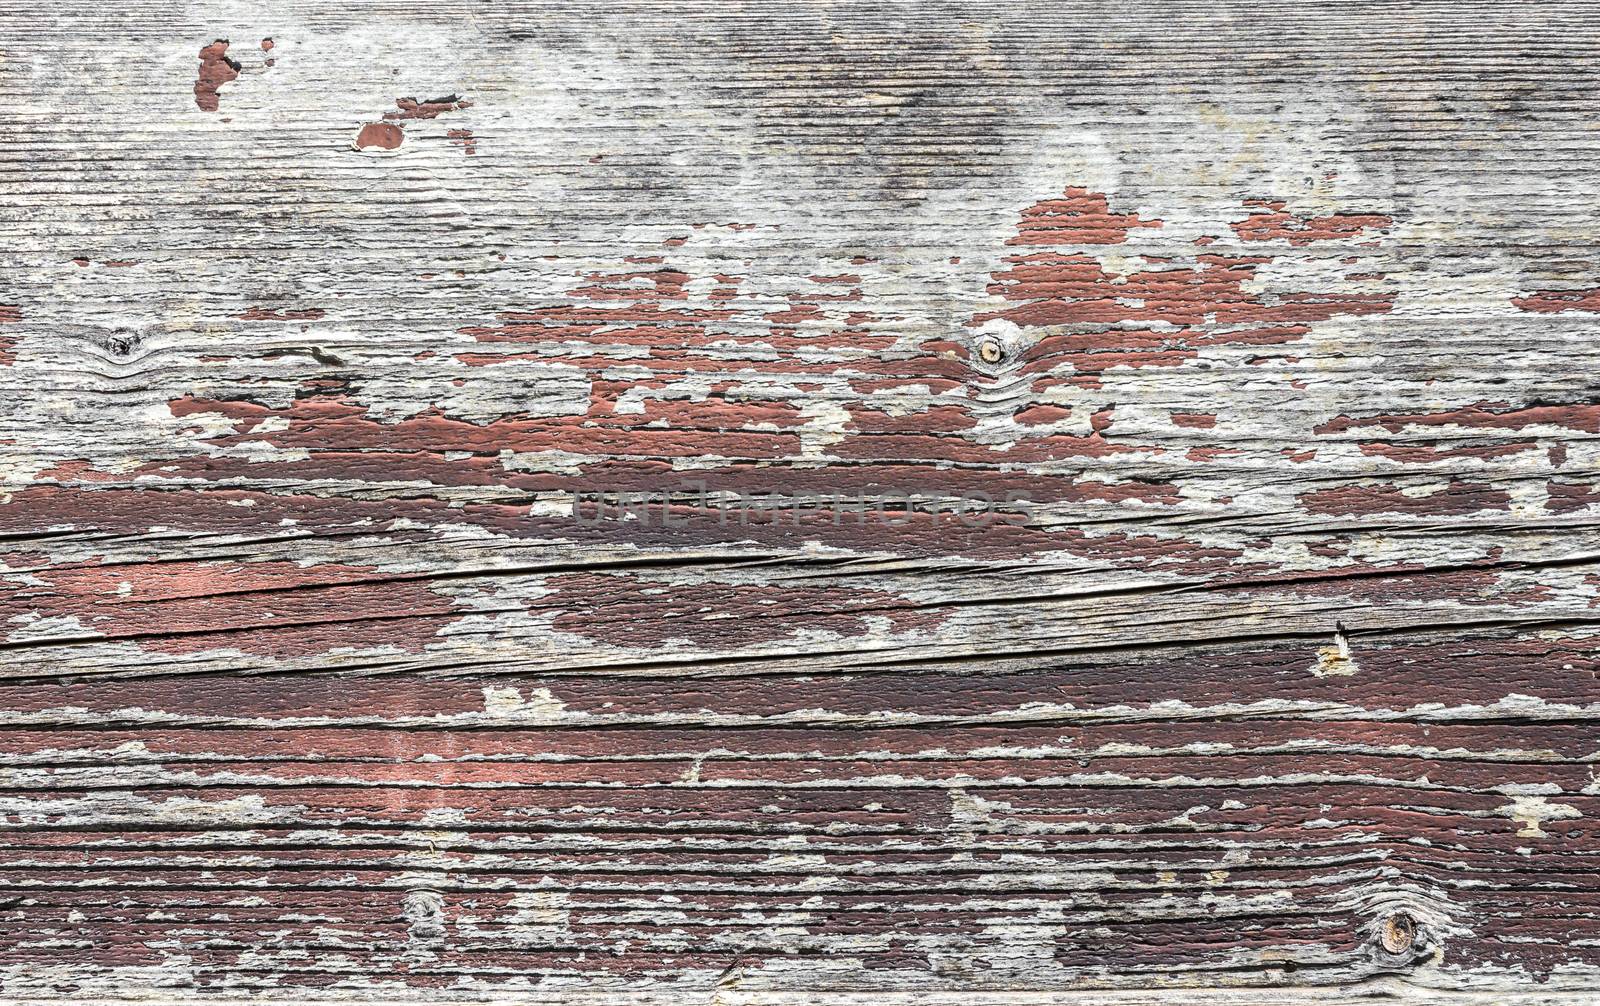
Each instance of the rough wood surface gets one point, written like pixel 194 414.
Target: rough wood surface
pixel 784 503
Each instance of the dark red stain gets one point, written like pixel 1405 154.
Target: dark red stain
pixel 279 609
pixel 216 69
pixel 380 136
pixel 1557 301
pixel 266 47
pixel 1270 221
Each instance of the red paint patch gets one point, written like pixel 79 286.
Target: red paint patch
pixel 1076 217
pixel 1422 454
pixel 316 421
pixel 1037 415
pixel 1453 501
pixel 432 108
pixel 1271 222
pixel 216 69
pixel 1566 497
pixel 1194 298
pixel 1558 301
pixel 464 139
pixel 380 136
pixel 1483 415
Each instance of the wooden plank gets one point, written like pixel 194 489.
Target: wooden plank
pixel 802 502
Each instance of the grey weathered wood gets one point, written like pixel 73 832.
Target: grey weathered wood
pixel 1280 322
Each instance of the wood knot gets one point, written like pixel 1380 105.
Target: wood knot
pixel 122 343
pixel 1397 933
pixel 991 352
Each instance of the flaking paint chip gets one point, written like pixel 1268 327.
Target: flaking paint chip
pixel 379 136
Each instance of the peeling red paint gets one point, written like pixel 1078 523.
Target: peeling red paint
pixel 1037 415
pixel 431 108
pixel 1207 301
pixel 315 421
pixel 380 136
pixel 1203 658
pixel 1425 454
pixel 1482 416
pixel 1074 289
pixel 1558 301
pixel 1568 497
pixel 1456 499
pixel 269 608
pixel 216 69
pixel 1270 221
pixel 1076 217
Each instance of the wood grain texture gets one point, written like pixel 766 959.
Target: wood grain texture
pixel 805 502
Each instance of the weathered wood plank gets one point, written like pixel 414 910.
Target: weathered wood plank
pixel 799 502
